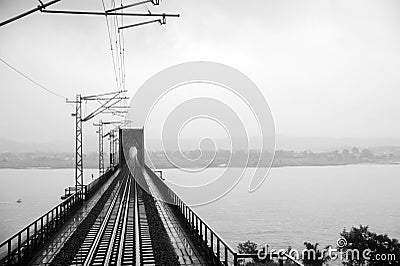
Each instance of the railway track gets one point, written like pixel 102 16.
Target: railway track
pixel 146 247
pixel 113 239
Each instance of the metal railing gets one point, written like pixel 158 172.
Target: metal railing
pixel 92 187
pixel 22 246
pixel 218 251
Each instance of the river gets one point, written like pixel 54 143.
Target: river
pixel 294 204
pixel 298 204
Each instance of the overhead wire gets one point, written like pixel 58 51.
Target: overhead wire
pixel 33 81
pixel 145 5
pixel 117 46
pixel 123 60
pixel 123 46
pixel 111 45
pixel 119 49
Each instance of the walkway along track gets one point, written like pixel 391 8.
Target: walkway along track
pixel 186 250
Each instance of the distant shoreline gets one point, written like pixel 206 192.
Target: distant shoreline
pixel 170 167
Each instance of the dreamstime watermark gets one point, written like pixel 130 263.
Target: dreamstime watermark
pixel 329 253
pixel 216 110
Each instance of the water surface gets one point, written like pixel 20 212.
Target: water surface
pixel 294 205
pixel 39 191
pixel 298 204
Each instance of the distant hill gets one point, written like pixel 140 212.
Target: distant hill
pixel 328 143
pixel 283 142
pixel 53 146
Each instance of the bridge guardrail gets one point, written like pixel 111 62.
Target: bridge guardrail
pixel 92 187
pixel 20 248
pixel 219 251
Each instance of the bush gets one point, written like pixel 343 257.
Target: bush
pixel 247 247
pixel 361 239
pixel 314 256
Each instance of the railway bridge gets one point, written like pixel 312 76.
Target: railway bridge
pixel 127 216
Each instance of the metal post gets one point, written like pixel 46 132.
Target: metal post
pixel 201 230
pixel 112 99
pixel 212 241
pixel 218 251
pixel 47 226
pixel 206 234
pixel 111 148
pixel 19 248
pixel 41 230
pixel 57 217
pixel 226 255
pixel 101 149
pixel 9 251
pixel 116 150
pixel 36 236
pixel 28 240
pixel 78 145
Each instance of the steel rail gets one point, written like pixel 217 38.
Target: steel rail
pixel 100 233
pixel 124 223
pixel 124 200
pixel 137 232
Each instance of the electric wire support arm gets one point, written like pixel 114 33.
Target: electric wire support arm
pixel 113 138
pixel 101 150
pixel 100 131
pixel 40 7
pixel 111 12
pixel 106 101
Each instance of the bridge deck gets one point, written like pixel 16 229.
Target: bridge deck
pixel 48 252
pixel 120 232
pixel 182 242
pixel 121 224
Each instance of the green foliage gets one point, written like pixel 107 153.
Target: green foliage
pixel 313 256
pixel 362 239
pixel 268 263
pixel 247 247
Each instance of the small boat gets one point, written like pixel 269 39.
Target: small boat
pixel 19 201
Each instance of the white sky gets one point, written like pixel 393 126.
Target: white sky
pixel 326 68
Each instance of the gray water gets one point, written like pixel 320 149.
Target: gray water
pixel 295 204
pixel 39 190
pixel 298 204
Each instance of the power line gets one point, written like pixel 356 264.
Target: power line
pixel 123 48
pixel 111 45
pixel 31 80
pixel 117 47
